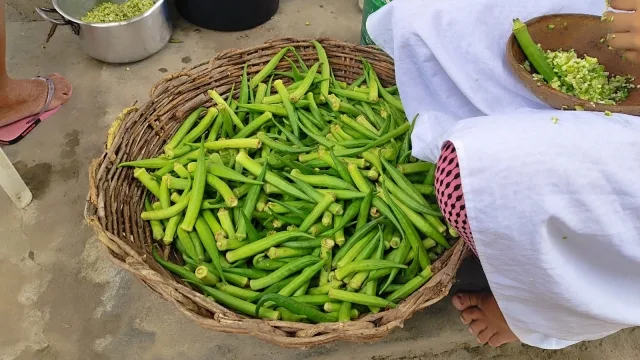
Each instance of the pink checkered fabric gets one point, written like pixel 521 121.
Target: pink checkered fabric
pixel 448 189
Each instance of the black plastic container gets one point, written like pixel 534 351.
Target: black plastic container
pixel 227 15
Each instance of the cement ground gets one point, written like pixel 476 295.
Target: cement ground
pixel 61 298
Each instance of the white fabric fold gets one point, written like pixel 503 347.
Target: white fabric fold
pixel 554 208
pixel 450 58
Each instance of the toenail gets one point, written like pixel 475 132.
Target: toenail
pixel 470 330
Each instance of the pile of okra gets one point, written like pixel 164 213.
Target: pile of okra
pixel 298 202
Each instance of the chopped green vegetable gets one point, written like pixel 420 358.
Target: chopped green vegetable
pixel 109 12
pixel 584 78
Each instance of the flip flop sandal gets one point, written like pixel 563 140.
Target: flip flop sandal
pixel 16 131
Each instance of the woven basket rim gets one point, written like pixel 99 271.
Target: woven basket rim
pixel 98 209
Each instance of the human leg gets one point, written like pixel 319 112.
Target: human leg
pixel 479 311
pixel 25 97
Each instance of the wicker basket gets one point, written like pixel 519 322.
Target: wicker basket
pixel 115 198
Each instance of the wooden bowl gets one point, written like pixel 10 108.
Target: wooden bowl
pixel 581 33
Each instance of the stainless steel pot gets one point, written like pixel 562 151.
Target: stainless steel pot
pixel 122 42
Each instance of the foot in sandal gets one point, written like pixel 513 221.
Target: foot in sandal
pixel 481 313
pixel 20 99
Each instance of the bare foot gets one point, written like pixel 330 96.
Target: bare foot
pixel 481 312
pixel 22 98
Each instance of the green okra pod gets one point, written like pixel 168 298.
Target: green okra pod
pixel 228 110
pixel 263 244
pixel 157 230
pixel 176 269
pixel 197 192
pixel 283 272
pixel 365 207
pixel 294 306
pixel 301 279
pixel 148 181
pixel 317 211
pixel 268 69
pixel 237 304
pixel 305 84
pixel 184 128
pixel 208 242
pixel 411 286
pixel 200 129
pixel 292 113
pixel 323 181
pixel 270 177
pixel 362 299
pixel 170 212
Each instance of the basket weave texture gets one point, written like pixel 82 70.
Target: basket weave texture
pixel 116 199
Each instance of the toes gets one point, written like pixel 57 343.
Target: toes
pixel 471 314
pixel 477 326
pixel 496 340
pixel 460 300
pixel 501 338
pixel 484 336
pixel 63 87
pixel 463 301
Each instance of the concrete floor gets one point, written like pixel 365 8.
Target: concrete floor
pixel 63 299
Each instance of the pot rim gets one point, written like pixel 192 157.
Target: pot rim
pixel 155 6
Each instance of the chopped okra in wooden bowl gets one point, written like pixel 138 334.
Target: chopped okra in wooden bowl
pixel 581 71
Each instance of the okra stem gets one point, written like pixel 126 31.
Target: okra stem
pixel 148 181
pixel 203 274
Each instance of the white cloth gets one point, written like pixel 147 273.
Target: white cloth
pixel 554 208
